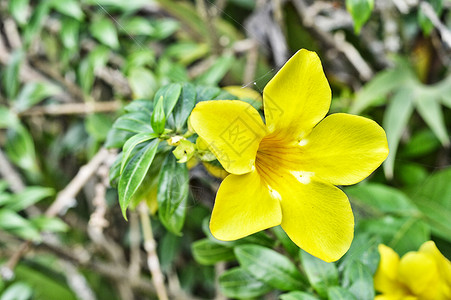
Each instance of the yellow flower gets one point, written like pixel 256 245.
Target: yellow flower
pixel 284 172
pixel 422 275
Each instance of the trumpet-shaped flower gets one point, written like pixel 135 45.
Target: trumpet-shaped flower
pixel 422 275
pixel 283 171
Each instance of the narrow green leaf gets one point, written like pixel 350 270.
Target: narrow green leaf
pixel 34 26
pixel 131 143
pixel 8 119
pixel 32 93
pixel 17 291
pixel 360 11
pixel 320 273
pixel 70 8
pixel 207 252
pixel 137 122
pixel 43 223
pixel 238 283
pixel 103 29
pixel 270 267
pixel 173 188
pixel 19 10
pixel 158 119
pixel 431 112
pixel 29 196
pixel 217 71
pixel 12 222
pixel 297 295
pixel 338 293
pixel 143 83
pixel 70 33
pixel 426 24
pixel 10 75
pixel 98 126
pixel 136 26
pixel 363 249
pixel 381 198
pixel 395 120
pixel 170 94
pixel 379 87
pixel 20 149
pixel 183 107
pixel 357 278
pixel 134 173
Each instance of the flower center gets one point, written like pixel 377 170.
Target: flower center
pixel 276 158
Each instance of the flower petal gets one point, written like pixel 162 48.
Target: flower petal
pixel 232 129
pixel 298 96
pixel 418 271
pixel 444 265
pixel 385 279
pixel 344 149
pixel 316 216
pixel 244 205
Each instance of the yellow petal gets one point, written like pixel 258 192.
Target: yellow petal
pixel 390 297
pixel 316 216
pixel 244 93
pixel 298 96
pixel 385 279
pixel 417 271
pixel 232 130
pixel 443 264
pixel 344 149
pixel 244 205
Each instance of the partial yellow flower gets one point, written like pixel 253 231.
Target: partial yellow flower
pixel 422 275
pixel 283 171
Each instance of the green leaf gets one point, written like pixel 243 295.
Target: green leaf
pixel 116 138
pixel 164 28
pixel 364 248
pixel 205 93
pixel 10 75
pixel 401 234
pixel 32 93
pixel 381 199
pixel 103 29
pixel 136 26
pixel 426 24
pixel 217 71
pixel 338 293
pixel 286 242
pixel 134 173
pixel 7 118
pixel 158 119
pixel 43 223
pixel 137 122
pixel 86 75
pixel 20 149
pixel 170 94
pixel 357 278
pixel 431 112
pixel 142 83
pixel 433 198
pixel 131 143
pixel 140 105
pixel 173 188
pixel 28 197
pixel 17 291
pixel 40 13
pixel 207 252
pixel 421 143
pixel 297 295
pixel 238 283
pixel 98 126
pixel 270 267
pixel 19 10
pixel 320 273
pixel 70 8
pixel 379 87
pixel 360 11
pixel 69 35
pixel 183 107
pixel 396 118
pixel 12 222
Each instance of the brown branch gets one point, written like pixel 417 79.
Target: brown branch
pixel 150 245
pixel 72 108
